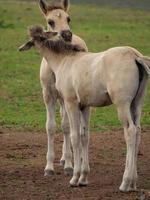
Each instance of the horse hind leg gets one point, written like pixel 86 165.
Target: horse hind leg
pixel 136 116
pixel 137 103
pixel 84 134
pixel 130 133
pixel 136 108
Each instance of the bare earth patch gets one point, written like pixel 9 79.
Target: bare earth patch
pixel 22 162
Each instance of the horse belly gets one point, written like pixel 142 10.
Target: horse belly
pixel 94 99
pixel 100 99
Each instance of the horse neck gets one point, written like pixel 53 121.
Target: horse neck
pixel 53 59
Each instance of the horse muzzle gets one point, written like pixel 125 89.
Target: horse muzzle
pixel 66 35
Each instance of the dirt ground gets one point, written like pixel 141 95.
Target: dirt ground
pixel 22 161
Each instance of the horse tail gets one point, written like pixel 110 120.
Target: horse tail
pixel 143 64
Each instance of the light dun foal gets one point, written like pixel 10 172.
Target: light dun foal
pixel 57 20
pixel 117 76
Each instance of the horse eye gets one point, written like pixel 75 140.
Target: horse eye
pixel 51 23
pixel 68 20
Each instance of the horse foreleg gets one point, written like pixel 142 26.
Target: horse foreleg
pixel 74 121
pixel 66 159
pixel 50 104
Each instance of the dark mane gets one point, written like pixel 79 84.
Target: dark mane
pixel 61 47
pixel 50 8
pixel 58 46
pixel 54 6
pixel 35 31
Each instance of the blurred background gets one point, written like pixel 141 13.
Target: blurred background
pixel 141 4
pixel 137 4
pixel 101 23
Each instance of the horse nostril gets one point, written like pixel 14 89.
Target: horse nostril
pixel 67 35
pixel 70 35
pixel 63 34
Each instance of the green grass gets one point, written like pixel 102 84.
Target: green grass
pixel 21 104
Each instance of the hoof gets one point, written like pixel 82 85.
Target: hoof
pixel 127 189
pixel 62 162
pixel 48 172
pixel 140 153
pixel 68 171
pixel 73 183
pixel 124 190
pixel 83 184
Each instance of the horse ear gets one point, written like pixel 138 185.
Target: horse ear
pixel 43 6
pixel 66 4
pixel 26 46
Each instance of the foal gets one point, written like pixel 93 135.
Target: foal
pixel 117 76
pixel 57 20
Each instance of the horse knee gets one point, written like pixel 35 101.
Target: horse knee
pixel 131 135
pixel 65 127
pixel 50 127
pixel 65 121
pixel 139 129
pixel 46 96
pixel 75 140
pixel 84 138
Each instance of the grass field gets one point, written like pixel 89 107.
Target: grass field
pixel 21 104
